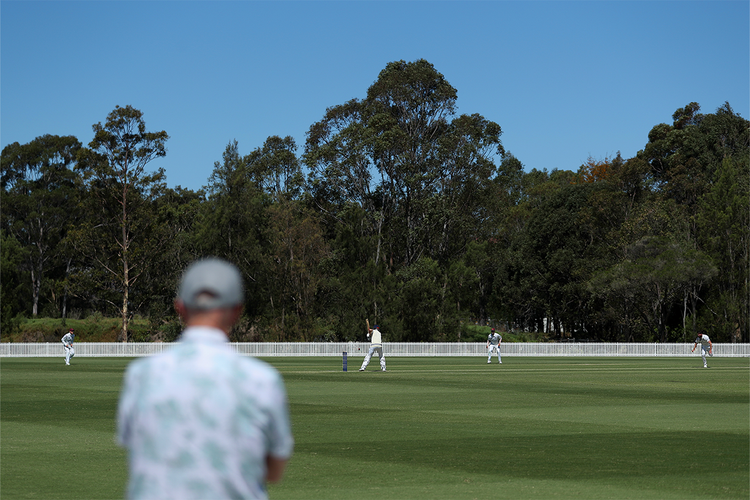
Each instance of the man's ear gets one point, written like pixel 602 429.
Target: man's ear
pixel 179 306
pixel 237 312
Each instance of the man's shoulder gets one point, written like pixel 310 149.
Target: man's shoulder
pixel 266 380
pixel 257 365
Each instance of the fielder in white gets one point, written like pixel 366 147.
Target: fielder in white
pixel 493 345
pixel 706 347
pixel 67 341
pixel 376 345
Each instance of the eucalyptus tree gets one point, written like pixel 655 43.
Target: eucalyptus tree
pixel 230 196
pixel 39 202
pixel 464 202
pixel 670 151
pixel 511 211
pixel 275 169
pixel 296 249
pixel 701 162
pixel 684 156
pixel 652 280
pixel 421 175
pixel 400 155
pixel 723 220
pixel 14 285
pixel 342 170
pixel 407 111
pixel 419 300
pixel 114 166
pixel 562 248
pixel 174 215
pixel 465 288
pixel 294 241
pixel 343 189
pixel 233 224
pixel 724 232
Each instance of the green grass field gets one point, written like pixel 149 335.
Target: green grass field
pixel 428 428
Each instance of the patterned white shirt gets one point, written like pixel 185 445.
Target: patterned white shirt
pixel 494 339
pixel 704 341
pixel 199 420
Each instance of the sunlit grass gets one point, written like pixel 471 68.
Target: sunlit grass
pixel 438 428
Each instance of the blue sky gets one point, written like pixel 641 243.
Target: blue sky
pixel 565 80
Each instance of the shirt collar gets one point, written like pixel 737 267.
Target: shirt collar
pixel 204 334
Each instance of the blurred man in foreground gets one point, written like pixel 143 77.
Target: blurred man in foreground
pixel 199 420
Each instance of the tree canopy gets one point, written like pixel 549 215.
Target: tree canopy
pixel 396 209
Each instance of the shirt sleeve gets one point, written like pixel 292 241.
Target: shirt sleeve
pixel 128 396
pixel 280 440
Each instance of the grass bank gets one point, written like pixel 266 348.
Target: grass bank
pixel 95 328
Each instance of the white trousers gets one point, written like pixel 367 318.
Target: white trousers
pixel 494 348
pixel 704 351
pixel 69 353
pixel 373 350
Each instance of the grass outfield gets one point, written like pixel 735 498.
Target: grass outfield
pixel 428 428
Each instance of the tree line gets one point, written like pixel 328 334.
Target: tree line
pixel 399 210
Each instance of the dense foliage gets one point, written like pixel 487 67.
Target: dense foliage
pixel 397 210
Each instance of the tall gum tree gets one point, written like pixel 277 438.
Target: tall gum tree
pixel 407 111
pixel 419 173
pixel 114 166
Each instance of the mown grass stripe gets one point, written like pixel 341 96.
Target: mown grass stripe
pixel 438 428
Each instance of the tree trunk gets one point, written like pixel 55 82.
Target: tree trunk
pixel 684 314
pixel 65 291
pixel 125 248
pixel 125 296
pixel 37 273
pixel 36 285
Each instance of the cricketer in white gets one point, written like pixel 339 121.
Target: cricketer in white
pixel 493 345
pixel 376 346
pixel 67 341
pixel 707 347
pixel 201 421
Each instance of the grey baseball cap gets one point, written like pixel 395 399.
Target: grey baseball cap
pixel 211 284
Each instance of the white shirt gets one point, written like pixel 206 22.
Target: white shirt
pixel 704 340
pixel 199 419
pixel 494 339
pixel 68 338
pixel 376 338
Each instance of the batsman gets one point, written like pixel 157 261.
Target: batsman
pixel 376 345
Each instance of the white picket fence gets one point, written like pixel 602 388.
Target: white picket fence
pixel 354 349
